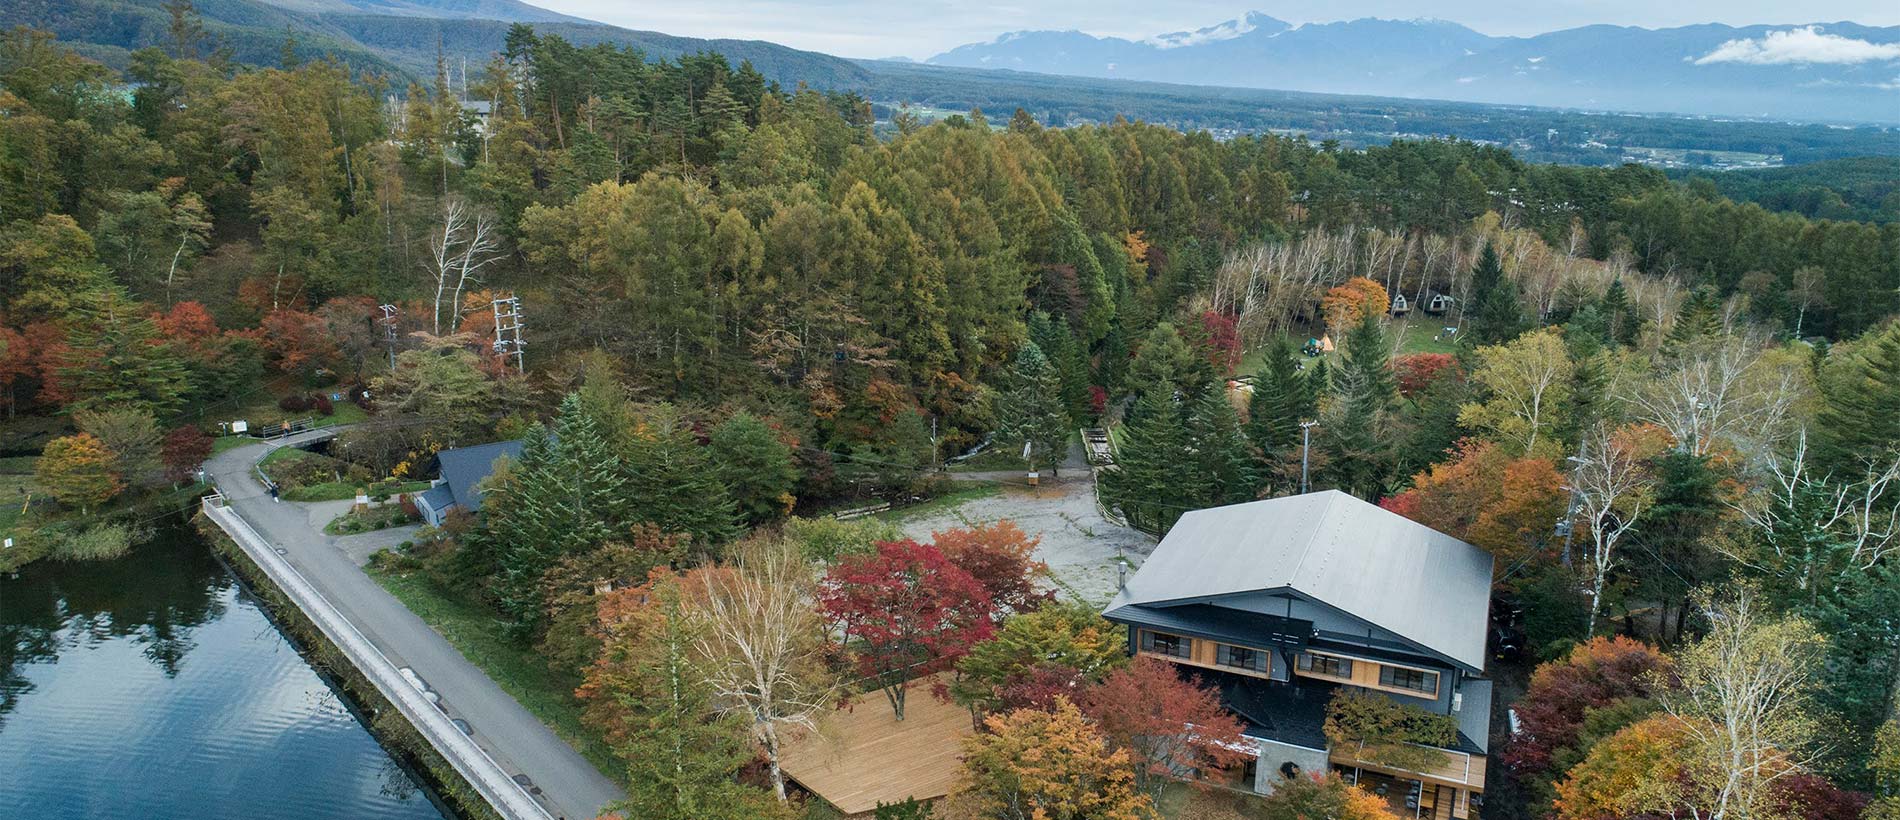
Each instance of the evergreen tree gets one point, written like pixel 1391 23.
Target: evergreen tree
pixel 1154 481
pixel 1282 398
pixel 1495 316
pixel 1623 324
pixel 671 482
pixel 1358 454
pixel 1861 415
pixel 566 494
pixel 1220 449
pixel 1031 410
pixel 755 467
pixel 1700 317
pixel 113 358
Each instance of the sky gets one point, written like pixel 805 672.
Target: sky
pixel 921 28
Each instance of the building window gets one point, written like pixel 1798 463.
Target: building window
pixel 1240 657
pixel 1161 643
pixel 1413 679
pixel 1326 665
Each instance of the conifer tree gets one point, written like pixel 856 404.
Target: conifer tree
pixel 1154 480
pixel 1031 411
pixel 1700 317
pixel 1495 314
pixel 1363 392
pixel 1220 449
pixel 566 494
pixel 755 467
pixel 672 484
pixel 1861 417
pixel 1282 398
pixel 113 358
pixel 1617 313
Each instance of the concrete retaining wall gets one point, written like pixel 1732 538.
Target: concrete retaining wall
pixel 481 771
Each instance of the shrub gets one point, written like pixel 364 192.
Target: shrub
pixel 103 542
pixel 294 403
pixel 323 405
pixel 409 508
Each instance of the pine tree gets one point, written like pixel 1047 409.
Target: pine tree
pixel 1154 480
pixel 1221 452
pixel 755 467
pixel 1699 318
pixel 671 482
pixel 1282 398
pixel 113 358
pixel 1621 318
pixel 1861 417
pixel 1357 450
pixel 1031 411
pixel 1495 314
pixel 566 494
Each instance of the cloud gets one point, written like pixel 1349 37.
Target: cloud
pixel 1800 45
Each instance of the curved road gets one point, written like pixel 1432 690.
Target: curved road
pixel 571 787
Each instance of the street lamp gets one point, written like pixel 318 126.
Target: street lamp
pixel 1306 447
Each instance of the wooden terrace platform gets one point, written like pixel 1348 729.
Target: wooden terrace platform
pixel 862 755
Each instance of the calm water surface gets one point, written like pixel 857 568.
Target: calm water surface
pixel 152 687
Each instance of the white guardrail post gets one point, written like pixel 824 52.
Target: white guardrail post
pixel 469 759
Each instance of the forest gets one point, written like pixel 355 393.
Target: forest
pixel 1674 418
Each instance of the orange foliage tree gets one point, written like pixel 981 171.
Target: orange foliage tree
pixel 1169 726
pixel 1001 558
pixel 1348 304
pixel 1322 794
pixel 1636 771
pixel 1506 504
pixel 77 470
pixel 1050 765
pixel 1595 675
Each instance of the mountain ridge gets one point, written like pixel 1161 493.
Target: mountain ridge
pixel 1839 71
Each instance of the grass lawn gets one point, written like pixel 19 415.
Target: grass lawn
pixel 345 490
pixel 964 491
pixel 482 638
pixel 13 493
pixel 1414 334
pixel 263 413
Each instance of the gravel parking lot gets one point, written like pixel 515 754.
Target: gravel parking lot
pixel 1078 544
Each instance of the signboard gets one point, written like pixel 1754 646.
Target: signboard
pixel 240 426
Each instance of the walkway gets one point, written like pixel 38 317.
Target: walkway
pixel 569 785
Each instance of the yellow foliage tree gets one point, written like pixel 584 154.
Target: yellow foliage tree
pixel 1037 765
pixel 1348 304
pixel 77 470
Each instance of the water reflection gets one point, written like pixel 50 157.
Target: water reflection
pixel 152 687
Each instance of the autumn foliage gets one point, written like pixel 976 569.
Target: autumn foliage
pixel 1169 726
pixel 77 470
pixel 1346 305
pixel 908 610
pixel 1001 558
pixel 1503 503
pixel 1050 765
pixel 1595 675
pixel 1417 371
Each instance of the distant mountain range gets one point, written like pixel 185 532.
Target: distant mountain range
pixel 393 36
pixel 1823 71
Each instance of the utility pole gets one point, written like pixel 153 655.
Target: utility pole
pixel 1306 448
pixel 508 326
pixel 389 334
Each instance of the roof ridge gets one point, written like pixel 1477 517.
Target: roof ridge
pixel 1307 549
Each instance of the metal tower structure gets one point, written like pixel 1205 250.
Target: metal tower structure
pixel 508 325
pixel 389 333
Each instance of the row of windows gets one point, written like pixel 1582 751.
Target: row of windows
pixel 1240 657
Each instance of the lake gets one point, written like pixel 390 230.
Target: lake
pixel 153 686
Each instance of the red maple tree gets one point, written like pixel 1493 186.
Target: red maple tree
pixel 183 450
pixel 1596 674
pixel 1417 371
pixel 1170 725
pixel 907 610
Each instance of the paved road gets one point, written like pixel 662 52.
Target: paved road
pixel 572 788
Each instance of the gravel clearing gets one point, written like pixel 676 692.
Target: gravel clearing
pixel 1078 544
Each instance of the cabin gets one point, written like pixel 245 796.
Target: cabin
pixel 1400 306
pixel 463 470
pixel 1436 303
pixel 1281 603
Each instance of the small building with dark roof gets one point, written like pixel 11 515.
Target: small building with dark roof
pixel 462 471
pixel 1281 603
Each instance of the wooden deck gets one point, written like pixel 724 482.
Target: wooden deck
pixel 862 756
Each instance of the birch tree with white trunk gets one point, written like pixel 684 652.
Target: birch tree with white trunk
pixel 1613 486
pixel 464 243
pixel 765 645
